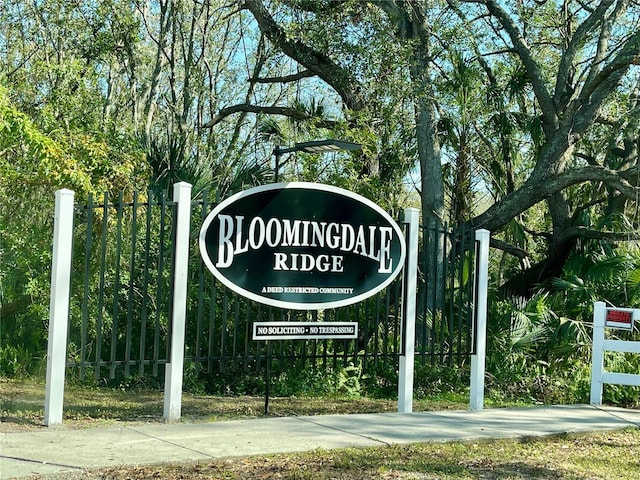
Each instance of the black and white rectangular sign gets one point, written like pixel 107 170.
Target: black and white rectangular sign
pixel 304 330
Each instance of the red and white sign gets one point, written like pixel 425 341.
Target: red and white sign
pixel 622 318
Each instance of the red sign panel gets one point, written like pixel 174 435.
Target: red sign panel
pixel 620 318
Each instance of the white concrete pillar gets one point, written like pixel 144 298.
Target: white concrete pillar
pixel 406 367
pixel 478 359
pixel 59 307
pixel 174 369
pixel 597 352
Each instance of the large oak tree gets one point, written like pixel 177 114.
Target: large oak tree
pixel 554 113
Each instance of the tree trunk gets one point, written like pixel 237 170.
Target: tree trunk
pixel 525 283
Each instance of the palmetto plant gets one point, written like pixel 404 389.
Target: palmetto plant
pixel 517 330
pixel 181 158
pixel 548 335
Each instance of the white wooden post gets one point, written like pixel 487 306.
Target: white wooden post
pixel 597 352
pixel 174 369
pixel 59 307
pixel 476 401
pixel 406 367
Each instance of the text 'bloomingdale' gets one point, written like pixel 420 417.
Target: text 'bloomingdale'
pixel 236 237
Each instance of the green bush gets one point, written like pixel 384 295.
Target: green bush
pixel 15 361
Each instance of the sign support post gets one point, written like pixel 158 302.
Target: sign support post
pixel 406 367
pixel 267 379
pixel 597 352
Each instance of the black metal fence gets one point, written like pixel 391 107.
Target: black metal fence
pixel 122 294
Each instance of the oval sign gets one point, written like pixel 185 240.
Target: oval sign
pixel 302 246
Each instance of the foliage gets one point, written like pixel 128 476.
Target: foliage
pixel 40 163
pixel 521 118
pixel 31 158
pixel 540 348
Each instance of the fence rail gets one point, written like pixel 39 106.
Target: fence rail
pixel 121 301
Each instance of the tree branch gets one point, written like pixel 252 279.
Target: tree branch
pixel 578 39
pixel 602 84
pixel 534 72
pixel 284 79
pixel 294 113
pixel 509 248
pixel 536 189
pixel 320 64
pixel 574 232
pixel 315 6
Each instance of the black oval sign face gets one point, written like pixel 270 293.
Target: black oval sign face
pixel 302 246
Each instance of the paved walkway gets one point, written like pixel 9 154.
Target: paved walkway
pixel 61 449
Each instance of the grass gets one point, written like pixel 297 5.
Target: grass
pixel 22 406
pixel 606 456
pixel 601 455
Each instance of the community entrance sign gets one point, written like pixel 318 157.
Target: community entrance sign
pixel 302 245
pixel 315 246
